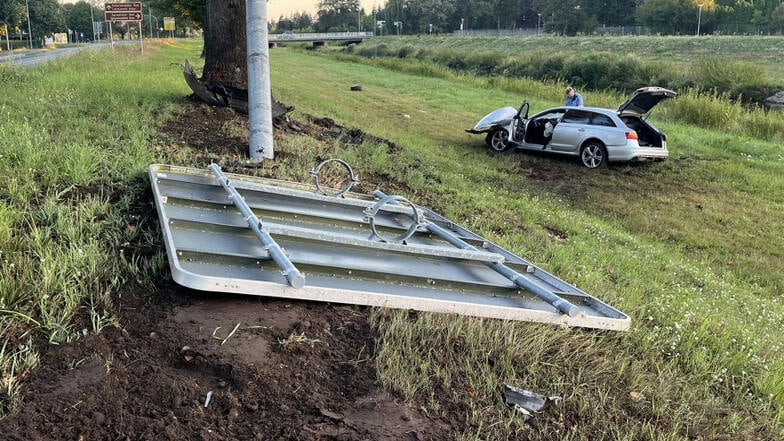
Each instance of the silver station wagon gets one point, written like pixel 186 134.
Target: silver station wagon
pixel 593 134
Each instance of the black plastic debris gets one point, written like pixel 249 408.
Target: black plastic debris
pixel 527 402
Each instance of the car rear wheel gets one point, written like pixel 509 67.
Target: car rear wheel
pixel 593 154
pixel 497 140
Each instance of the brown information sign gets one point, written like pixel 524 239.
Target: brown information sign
pixel 123 11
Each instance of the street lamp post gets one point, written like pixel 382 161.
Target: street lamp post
pixel 699 18
pixel 29 29
pixel 92 21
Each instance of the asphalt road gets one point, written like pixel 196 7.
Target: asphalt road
pixel 37 56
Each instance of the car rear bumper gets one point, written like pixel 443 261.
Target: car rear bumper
pixel 626 153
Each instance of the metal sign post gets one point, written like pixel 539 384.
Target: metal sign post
pixel 259 90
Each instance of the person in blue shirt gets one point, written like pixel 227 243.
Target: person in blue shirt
pixel 573 98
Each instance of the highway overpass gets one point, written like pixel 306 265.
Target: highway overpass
pixel 318 39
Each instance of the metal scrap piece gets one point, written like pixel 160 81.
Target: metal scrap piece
pixel 527 402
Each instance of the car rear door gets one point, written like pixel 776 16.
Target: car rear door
pixel 570 132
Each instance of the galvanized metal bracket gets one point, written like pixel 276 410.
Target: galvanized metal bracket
pixel 417 219
pixel 352 179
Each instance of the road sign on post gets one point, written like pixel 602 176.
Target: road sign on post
pixel 123 11
pixel 168 23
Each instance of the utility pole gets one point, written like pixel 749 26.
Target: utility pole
pixel 29 29
pixel 150 21
pixel 92 21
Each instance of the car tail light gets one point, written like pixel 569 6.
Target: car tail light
pixel 631 135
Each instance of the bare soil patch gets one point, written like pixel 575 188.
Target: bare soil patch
pixel 185 365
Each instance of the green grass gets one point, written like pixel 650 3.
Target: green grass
pixel 690 248
pixel 74 141
pixel 681 51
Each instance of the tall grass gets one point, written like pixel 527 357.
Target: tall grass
pixel 556 59
pixel 705 105
pixel 688 248
pixel 73 135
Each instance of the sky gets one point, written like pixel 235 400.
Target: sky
pixel 276 8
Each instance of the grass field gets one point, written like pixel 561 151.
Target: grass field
pixel 765 51
pixel 690 248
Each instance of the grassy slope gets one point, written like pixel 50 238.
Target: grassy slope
pixel 765 51
pixel 701 361
pixel 75 141
pixel 689 248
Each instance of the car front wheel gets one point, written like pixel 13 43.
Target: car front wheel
pixel 498 140
pixel 593 155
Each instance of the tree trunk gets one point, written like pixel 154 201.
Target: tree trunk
pixel 225 45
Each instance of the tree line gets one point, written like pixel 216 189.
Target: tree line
pixel 566 17
pixel 47 17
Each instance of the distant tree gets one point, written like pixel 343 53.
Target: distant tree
pixel 420 14
pixel 668 16
pixel 566 17
pixel 303 21
pixel 299 21
pixel 46 18
pixel 12 13
pixel 337 15
pixel 78 19
pixel 777 20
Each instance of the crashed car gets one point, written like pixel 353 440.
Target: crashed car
pixel 595 135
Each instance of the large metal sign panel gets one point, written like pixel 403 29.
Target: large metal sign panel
pixel 123 11
pixel 335 247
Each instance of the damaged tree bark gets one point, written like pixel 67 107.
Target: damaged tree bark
pixel 224 80
pixel 227 96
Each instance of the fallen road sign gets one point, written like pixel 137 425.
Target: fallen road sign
pixel 248 235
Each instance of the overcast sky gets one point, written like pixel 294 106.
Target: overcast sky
pixel 276 8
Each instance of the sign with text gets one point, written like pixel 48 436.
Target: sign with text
pixel 168 23
pixel 123 11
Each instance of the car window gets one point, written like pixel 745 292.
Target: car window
pixel 597 119
pixel 550 115
pixel 576 117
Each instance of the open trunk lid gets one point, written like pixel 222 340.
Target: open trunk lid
pixel 644 99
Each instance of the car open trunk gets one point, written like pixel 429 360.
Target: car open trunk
pixel 648 136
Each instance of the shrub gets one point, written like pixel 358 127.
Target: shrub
pixel 736 78
pixel 484 63
pixel 406 51
pixel 707 109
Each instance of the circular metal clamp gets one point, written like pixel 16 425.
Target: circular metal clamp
pixel 351 178
pixel 395 200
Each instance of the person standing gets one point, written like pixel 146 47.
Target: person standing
pixel 573 98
